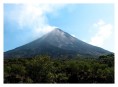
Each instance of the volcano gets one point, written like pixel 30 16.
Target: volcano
pixel 56 44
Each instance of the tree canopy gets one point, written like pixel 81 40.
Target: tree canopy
pixel 43 69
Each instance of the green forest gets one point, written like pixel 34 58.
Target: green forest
pixel 44 69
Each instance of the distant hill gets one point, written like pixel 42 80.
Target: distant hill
pixel 56 43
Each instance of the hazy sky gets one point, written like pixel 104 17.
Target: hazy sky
pixel 92 23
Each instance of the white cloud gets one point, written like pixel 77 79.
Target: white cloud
pixel 33 16
pixel 43 30
pixel 99 23
pixel 104 31
pixel 73 35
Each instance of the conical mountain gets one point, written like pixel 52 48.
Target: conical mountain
pixel 56 43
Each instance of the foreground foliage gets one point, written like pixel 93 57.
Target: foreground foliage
pixel 43 69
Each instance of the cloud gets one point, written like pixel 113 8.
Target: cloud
pixel 73 35
pixel 33 16
pixel 104 31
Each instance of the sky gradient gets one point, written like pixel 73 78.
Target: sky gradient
pixel 92 23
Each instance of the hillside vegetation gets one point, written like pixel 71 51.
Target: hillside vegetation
pixel 43 69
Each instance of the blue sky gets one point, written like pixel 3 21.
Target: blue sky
pixel 92 23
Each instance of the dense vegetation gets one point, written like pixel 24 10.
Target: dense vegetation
pixel 43 69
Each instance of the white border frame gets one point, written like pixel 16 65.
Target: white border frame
pixel 2 2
